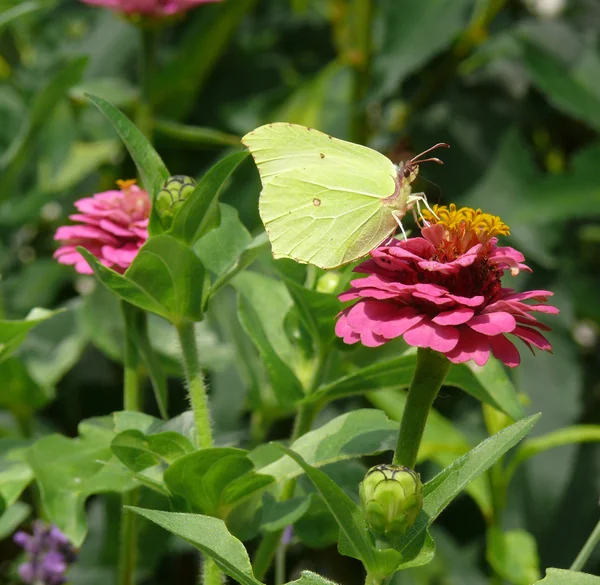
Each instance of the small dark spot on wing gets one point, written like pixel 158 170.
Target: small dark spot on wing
pixel 321 155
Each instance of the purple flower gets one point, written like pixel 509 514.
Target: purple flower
pixel 48 554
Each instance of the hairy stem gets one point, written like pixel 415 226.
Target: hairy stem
pixel 195 384
pixel 430 372
pixel 212 575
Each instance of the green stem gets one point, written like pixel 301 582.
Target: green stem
pixel 430 372
pixel 212 574
pixel 362 15
pixel 131 401
pixel 372 580
pixel 280 563
pixel 195 384
pixel 587 550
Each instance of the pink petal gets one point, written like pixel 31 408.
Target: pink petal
pixel 533 337
pixel 432 335
pixel 470 346
pixel 538 295
pixel 114 228
pixel 493 323
pixel 456 316
pixel 475 301
pixel 505 351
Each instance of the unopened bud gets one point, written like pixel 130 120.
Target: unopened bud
pixel 329 282
pixel 172 196
pixel 391 498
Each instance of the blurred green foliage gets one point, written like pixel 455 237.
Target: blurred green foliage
pixel 513 86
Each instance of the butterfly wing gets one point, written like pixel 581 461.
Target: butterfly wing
pixel 321 201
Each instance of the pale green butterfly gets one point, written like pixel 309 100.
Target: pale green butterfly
pixel 326 201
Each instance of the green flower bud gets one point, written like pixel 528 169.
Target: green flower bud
pixel 391 498
pixel 172 196
pixel 328 282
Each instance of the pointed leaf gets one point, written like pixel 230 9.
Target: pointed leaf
pixel 357 433
pixel 165 278
pixel 562 577
pixel 347 514
pixel 13 333
pixel 210 536
pixel 445 486
pixel 310 578
pixel 200 212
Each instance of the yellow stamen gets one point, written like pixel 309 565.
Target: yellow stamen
pixel 125 185
pixel 467 219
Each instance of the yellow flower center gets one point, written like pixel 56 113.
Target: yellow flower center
pixel 126 185
pixel 467 220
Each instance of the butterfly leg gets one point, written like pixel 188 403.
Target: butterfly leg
pixel 398 217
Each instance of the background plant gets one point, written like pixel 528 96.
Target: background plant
pixel 514 91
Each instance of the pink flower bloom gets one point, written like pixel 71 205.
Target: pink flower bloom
pixel 443 291
pixel 113 226
pixel 153 8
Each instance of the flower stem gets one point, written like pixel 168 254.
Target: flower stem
pixel 131 401
pixel 212 573
pixel 195 384
pixel 430 372
pixel 587 550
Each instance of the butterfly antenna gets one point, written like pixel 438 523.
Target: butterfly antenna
pixel 418 160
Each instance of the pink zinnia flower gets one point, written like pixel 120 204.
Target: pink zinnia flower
pixel 443 291
pixel 153 8
pixel 113 226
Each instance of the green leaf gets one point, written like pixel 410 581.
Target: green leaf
pixel 176 87
pixel 562 577
pixel 571 88
pixel 12 518
pixel 445 486
pixel 11 14
pixel 396 372
pixel 513 555
pixel 263 304
pixel 210 536
pixel 150 166
pixel 13 333
pixel 213 480
pixel 139 451
pixel 196 135
pixel 19 392
pixel 489 384
pixel 15 473
pixel 68 471
pixel 229 248
pixel 165 278
pixel 277 515
pixel 137 328
pixel 357 433
pixel 310 578
pixel 200 212
pixel 347 514
pixel 15 157
pixel 415 34
pixel 442 442
pixel 559 438
pixel 317 311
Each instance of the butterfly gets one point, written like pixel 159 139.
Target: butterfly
pixel 325 201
